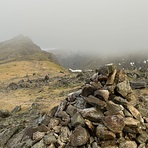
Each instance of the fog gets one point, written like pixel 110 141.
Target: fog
pixel 102 26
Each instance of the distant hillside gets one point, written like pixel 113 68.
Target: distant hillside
pixel 78 60
pixel 22 48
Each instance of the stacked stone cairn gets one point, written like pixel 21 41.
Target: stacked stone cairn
pixel 103 114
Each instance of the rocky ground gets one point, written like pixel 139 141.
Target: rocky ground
pixel 108 109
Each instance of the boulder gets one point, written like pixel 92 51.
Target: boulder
pixel 79 136
pixel 114 123
pixel 123 88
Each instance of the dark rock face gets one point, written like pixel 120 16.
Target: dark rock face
pixel 103 114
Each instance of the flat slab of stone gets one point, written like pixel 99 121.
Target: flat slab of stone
pixel 138 85
pixel 96 102
pixel 114 123
pixel 131 122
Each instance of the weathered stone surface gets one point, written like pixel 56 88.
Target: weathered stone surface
pixel 65 134
pixel 16 109
pixel 127 113
pixel 128 144
pixel 77 119
pixel 112 74
pixel 103 133
pixel 4 113
pixel 123 88
pixel 88 90
pixel 97 85
pixel 120 76
pixel 53 122
pixel 143 137
pixel 49 139
pixel 102 94
pixel 37 136
pixel 120 100
pixel 114 123
pixel 131 122
pixel 92 114
pixel 138 85
pixel 79 136
pixel 114 108
pixel 40 144
pixel 80 103
pixel 72 96
pixel 95 102
pixel 134 112
pixel 7 134
pixel 71 110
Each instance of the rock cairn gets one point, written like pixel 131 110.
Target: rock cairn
pixel 103 114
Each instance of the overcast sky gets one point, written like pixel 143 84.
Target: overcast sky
pixel 108 26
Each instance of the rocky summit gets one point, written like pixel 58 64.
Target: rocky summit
pixel 104 113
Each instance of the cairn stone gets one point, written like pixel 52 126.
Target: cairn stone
pixel 79 136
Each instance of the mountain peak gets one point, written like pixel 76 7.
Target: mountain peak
pixel 22 48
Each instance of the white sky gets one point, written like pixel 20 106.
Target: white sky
pixel 107 26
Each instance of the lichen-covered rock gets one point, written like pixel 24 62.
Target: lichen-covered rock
pixel 113 108
pixel 79 136
pixel 77 119
pixel 123 88
pixel 114 123
pixel 104 134
pixel 92 114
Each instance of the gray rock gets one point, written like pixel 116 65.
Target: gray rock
pixel 6 134
pixel 92 114
pixel 134 112
pixel 114 123
pixel 102 94
pixel 95 145
pixel 138 85
pixel 114 108
pixel 143 145
pixel 16 109
pixel 77 119
pixel 104 134
pixel 53 122
pixel 37 136
pixel 65 134
pixel 79 136
pixel 49 139
pixel 71 110
pixel 127 113
pixel 131 122
pixel 123 88
pixel 40 144
pixel 143 137
pixel 88 90
pixel 120 100
pixel 128 144
pixel 80 103
pixel 4 113
pixel 96 102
